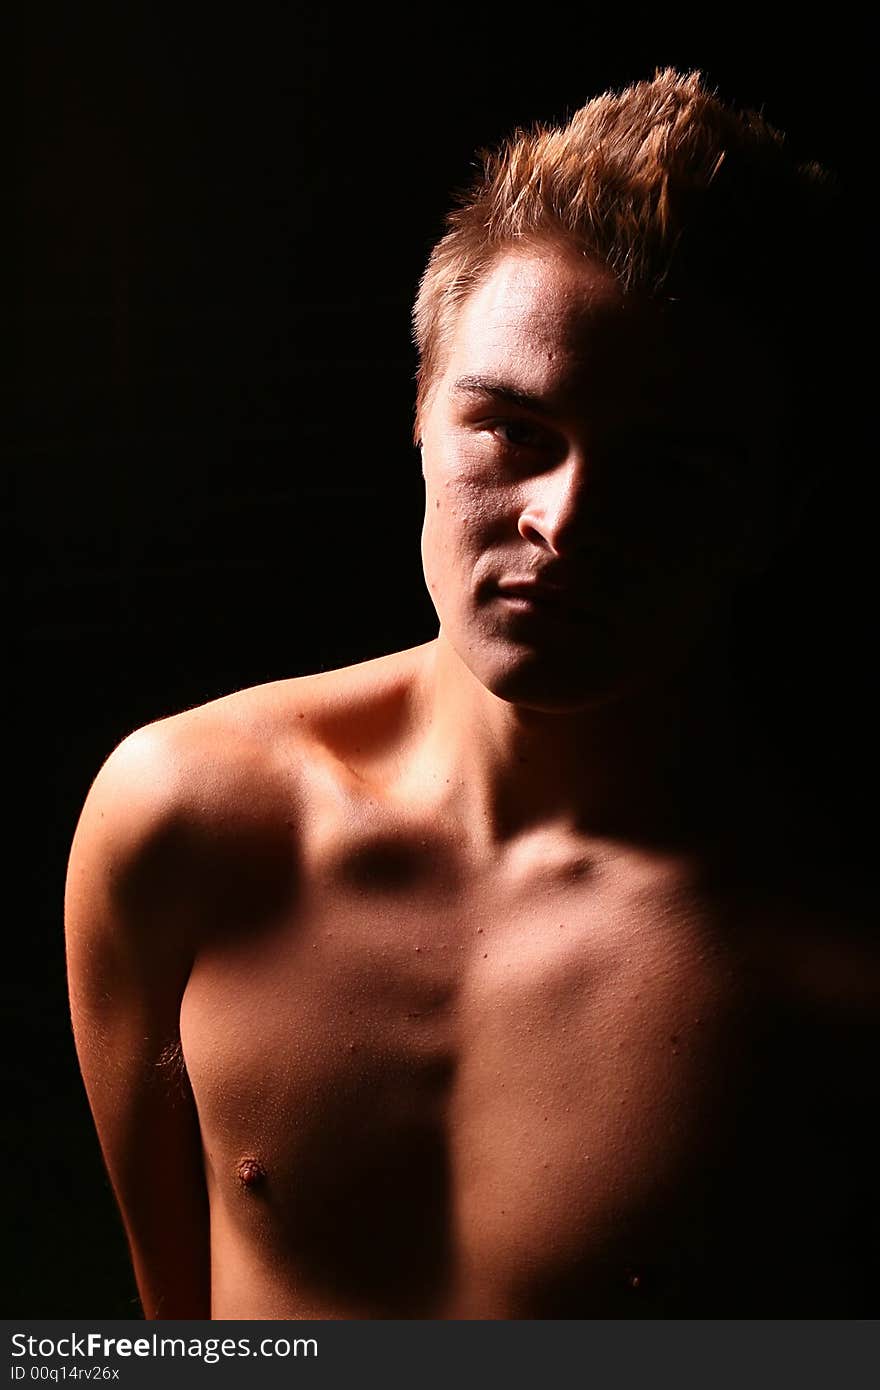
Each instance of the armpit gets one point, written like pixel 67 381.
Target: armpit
pixel 171 1067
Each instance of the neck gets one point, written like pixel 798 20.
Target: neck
pixel 631 768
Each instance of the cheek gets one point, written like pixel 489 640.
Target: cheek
pixel 459 526
pixel 467 513
pixel 442 548
pixel 429 563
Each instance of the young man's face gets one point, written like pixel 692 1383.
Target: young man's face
pixel 597 482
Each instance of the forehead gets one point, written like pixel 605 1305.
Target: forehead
pixel 543 311
pixel 539 298
pixel 556 323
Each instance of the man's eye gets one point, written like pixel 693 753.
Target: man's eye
pixel 517 434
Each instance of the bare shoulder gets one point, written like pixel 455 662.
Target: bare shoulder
pixel 214 795
pixel 170 798
pixel 367 701
pixel 284 731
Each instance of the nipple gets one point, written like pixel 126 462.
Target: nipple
pixel 251 1173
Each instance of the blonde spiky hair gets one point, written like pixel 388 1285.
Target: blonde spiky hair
pixel 676 193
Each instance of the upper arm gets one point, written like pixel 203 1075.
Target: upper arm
pixel 129 922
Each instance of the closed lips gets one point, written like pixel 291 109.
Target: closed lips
pixel 541 594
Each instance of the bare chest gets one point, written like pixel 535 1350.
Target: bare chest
pixel 495 1095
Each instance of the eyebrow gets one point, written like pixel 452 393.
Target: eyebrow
pixel 500 391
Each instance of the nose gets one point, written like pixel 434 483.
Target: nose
pixel 555 508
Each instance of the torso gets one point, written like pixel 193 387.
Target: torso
pixel 566 1080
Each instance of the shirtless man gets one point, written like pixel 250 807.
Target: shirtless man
pixel 481 980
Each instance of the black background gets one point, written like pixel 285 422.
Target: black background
pixel 224 216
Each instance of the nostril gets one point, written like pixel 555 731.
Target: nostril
pixel 555 511
pixel 559 535
pixel 531 530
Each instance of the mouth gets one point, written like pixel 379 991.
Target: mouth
pixel 542 600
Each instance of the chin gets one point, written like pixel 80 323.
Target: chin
pixel 554 687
